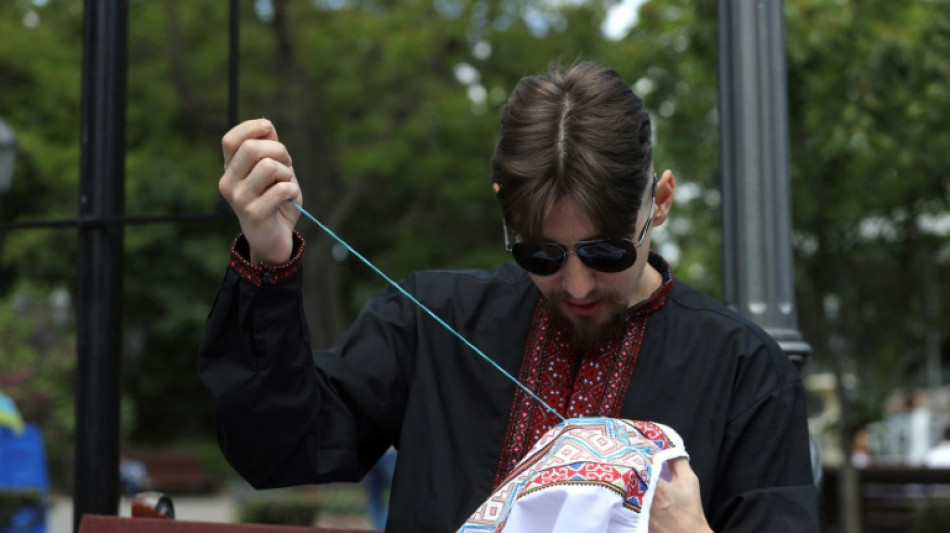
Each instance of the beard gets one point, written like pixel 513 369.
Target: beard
pixel 587 332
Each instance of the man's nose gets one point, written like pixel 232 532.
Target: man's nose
pixel 577 279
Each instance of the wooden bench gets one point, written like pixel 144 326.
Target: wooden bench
pixel 174 471
pixel 92 523
pixel 891 497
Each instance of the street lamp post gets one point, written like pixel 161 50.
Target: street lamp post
pixel 7 156
pixel 758 274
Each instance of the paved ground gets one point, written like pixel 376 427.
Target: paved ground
pixel 213 508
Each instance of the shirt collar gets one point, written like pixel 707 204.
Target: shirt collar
pixel 659 296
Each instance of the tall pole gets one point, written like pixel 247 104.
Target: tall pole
pixel 758 274
pixel 234 61
pixel 105 43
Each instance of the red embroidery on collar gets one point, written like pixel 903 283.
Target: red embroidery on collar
pixel 599 388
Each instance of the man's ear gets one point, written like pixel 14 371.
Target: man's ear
pixel 495 187
pixel 664 197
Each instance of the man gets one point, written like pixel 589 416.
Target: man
pixel 585 316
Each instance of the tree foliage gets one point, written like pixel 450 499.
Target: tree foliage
pixel 871 185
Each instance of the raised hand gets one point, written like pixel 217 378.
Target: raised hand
pixel 259 182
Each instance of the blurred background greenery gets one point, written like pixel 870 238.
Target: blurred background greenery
pixel 389 109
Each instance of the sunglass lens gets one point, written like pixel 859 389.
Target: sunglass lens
pixel 542 260
pixel 610 255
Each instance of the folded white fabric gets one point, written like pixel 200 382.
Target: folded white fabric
pixel 585 475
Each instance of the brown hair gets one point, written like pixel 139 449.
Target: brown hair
pixel 579 132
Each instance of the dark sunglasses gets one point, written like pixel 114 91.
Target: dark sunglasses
pixel 602 255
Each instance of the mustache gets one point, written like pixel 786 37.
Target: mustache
pixel 611 298
pixel 589 332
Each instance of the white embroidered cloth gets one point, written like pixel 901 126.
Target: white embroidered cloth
pixel 585 475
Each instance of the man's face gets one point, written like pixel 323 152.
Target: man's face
pixel 590 301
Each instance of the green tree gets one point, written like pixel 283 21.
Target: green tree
pixel 871 193
pixel 166 280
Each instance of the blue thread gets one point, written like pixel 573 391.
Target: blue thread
pixel 424 308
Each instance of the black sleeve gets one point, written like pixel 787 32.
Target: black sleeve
pixel 738 402
pixel 285 416
pixel 764 480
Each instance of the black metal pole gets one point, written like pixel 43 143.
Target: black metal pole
pixel 234 78
pixel 758 274
pixel 105 43
pixel 234 62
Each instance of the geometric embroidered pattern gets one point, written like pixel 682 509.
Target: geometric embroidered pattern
pixel 594 383
pixel 623 457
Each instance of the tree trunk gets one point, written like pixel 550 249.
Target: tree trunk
pixel 300 129
pixel 849 501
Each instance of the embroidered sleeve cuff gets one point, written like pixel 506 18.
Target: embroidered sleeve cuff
pixel 260 273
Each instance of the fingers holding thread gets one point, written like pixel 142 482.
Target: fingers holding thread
pixel 249 129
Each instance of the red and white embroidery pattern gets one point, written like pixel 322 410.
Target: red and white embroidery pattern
pixel 599 388
pixel 624 457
